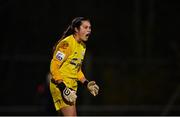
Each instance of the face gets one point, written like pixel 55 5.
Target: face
pixel 84 31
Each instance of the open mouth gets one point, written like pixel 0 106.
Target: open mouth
pixel 87 35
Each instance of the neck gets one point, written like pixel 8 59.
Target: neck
pixel 76 37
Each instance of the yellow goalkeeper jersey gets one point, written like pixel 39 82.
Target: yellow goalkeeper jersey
pixel 67 60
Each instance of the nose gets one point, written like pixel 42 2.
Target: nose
pixel 89 30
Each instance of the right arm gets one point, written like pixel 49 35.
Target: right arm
pixel 60 55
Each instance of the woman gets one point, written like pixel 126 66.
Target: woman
pixel 66 65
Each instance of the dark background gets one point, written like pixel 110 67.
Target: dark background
pixel 133 54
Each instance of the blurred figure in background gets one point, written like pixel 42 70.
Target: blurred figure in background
pixel 65 67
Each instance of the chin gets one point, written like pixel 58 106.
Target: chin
pixel 85 39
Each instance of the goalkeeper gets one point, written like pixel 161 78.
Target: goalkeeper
pixel 65 67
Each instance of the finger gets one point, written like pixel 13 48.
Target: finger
pixel 70 100
pixel 93 93
pixel 92 83
pixel 96 87
pixel 96 92
pixel 74 96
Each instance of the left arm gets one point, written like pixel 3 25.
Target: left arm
pixel 91 85
pixel 81 76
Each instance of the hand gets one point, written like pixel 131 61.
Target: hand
pixel 93 88
pixel 69 95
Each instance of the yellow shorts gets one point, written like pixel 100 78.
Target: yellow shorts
pixel 56 93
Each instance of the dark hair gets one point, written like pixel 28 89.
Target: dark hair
pixel 76 23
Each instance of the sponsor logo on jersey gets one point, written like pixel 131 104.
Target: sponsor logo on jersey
pixel 60 56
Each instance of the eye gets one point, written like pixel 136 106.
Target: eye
pixel 86 27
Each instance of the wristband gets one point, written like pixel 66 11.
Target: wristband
pixel 85 83
pixel 61 86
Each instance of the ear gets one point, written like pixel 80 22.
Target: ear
pixel 76 30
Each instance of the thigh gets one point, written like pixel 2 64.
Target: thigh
pixel 57 97
pixel 69 111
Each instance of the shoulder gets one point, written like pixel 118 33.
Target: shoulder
pixel 65 43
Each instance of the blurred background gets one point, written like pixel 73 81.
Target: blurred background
pixel 133 54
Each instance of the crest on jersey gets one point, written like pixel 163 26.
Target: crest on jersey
pixel 64 45
pixel 60 56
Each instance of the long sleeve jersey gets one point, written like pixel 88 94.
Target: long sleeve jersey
pixel 67 59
